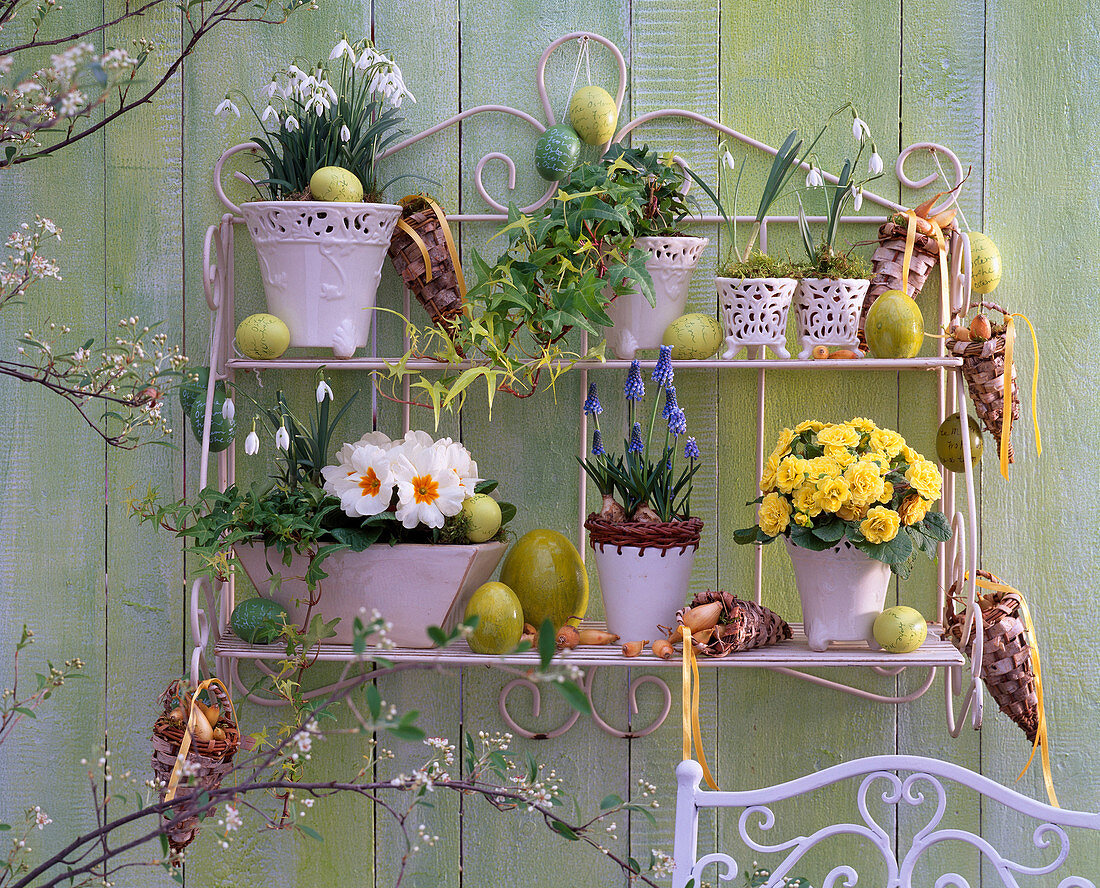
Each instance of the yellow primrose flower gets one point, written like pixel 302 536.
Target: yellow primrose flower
pixel 887 440
pixel 823 467
pixel 865 482
pixel 887 492
pixel 775 514
pixel 767 479
pixel 849 512
pixel 793 470
pixel 784 446
pixel 913 509
pixel 909 454
pixel 880 525
pixel 840 435
pixel 832 493
pixel 842 456
pixel 924 478
pixel 803 520
pixel 863 424
pixel 805 499
pixel 810 425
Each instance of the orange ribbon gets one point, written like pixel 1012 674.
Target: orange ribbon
pixel 447 237
pixel 185 744
pixel 689 718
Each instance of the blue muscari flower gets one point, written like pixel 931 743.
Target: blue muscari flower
pixel 635 438
pixel 592 405
pixel 670 402
pixel 634 388
pixel 597 444
pixel 662 373
pixel 677 422
pixel 691 449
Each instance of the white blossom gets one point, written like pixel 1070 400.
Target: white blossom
pixel 232 818
pixel 875 164
pixel 291 123
pixel 860 130
pixel 341 49
pixel 252 443
pixel 727 160
pixel 323 391
pixel 269 112
pixel 282 438
pixel 227 109
pixel 814 178
pixel 857 198
pixel 345 133
pixel 41 818
pixel 229 410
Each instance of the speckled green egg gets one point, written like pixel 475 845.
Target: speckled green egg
pixel 256 619
pixel 693 337
pixel 557 152
pixel 593 114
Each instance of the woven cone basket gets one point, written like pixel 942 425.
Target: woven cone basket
pixel 442 296
pixel 984 367
pixel 742 625
pixel 1006 653
pixel 205 764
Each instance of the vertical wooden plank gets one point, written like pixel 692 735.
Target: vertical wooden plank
pixel 51 497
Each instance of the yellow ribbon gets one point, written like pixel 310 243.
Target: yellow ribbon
pixel 1006 383
pixel 690 707
pixel 910 243
pixel 185 744
pixel 447 237
pixel 1042 740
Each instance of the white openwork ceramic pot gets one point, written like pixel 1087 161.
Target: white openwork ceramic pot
pixel 412 585
pixel 639 324
pixel 827 312
pixel 321 264
pixel 642 588
pixel 842 591
pixel 755 313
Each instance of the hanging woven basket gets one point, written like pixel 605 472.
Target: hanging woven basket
pixel 984 367
pixel 424 254
pixel 1006 652
pixel 202 764
pixel 742 625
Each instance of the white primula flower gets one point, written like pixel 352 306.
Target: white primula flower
pixel 323 391
pixel 875 165
pixel 229 410
pixel 414 441
pixel 814 179
pixel 291 123
pixel 269 112
pixel 860 130
pixel 464 467
pixel 345 133
pixel 376 439
pixel 727 160
pixel 342 48
pixel 857 198
pixel 282 438
pixel 252 443
pixel 227 109
pixel 363 484
pixel 428 491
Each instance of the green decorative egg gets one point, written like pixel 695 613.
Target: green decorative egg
pixel 499 619
pixel 557 152
pixel 694 337
pixel 222 430
pixel 256 619
pixel 985 263
pixel 900 630
pixel 262 337
pixel 193 387
pixel 336 184
pixel 949 443
pixel 895 326
pixel 593 114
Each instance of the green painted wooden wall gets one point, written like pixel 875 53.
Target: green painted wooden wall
pixel 1015 91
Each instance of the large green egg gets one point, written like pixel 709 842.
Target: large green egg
pixel 499 619
pixel 694 336
pixel 894 326
pixel 256 619
pixel 949 442
pixel 557 152
pixel 545 571
pixel 221 429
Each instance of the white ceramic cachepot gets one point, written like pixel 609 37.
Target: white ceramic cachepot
pixel 755 313
pixel 641 325
pixel 321 263
pixel 412 585
pixel 827 312
pixel 842 591
pixel 642 588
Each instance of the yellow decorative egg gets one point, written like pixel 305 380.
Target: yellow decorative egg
pixel 593 114
pixel 900 630
pixel 336 184
pixel 693 337
pixel 985 264
pixel 262 337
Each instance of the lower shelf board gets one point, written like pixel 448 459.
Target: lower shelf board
pixel 792 654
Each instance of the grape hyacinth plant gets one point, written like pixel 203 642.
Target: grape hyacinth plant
pixel 650 482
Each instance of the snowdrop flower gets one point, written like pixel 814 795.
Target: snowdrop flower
pixel 342 48
pixel 282 438
pixel 323 391
pixel 369 59
pixel 364 484
pixel 252 442
pixel 875 165
pixel 814 179
pixel 727 160
pixel 860 130
pixel 857 198
pixel 291 123
pixel 296 74
pixel 229 410
pixel 271 89
pixel 428 491
pixel 269 112
pixel 345 133
pixel 227 108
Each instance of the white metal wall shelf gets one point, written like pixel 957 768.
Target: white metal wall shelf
pixel 210 608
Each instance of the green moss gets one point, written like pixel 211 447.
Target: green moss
pixel 759 265
pixel 835 266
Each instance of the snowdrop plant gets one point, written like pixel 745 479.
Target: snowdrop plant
pixel 342 112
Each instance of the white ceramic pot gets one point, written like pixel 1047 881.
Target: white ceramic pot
pixel 639 324
pixel 321 264
pixel 412 585
pixel 827 312
pixel 842 591
pixel 642 588
pixel 755 313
